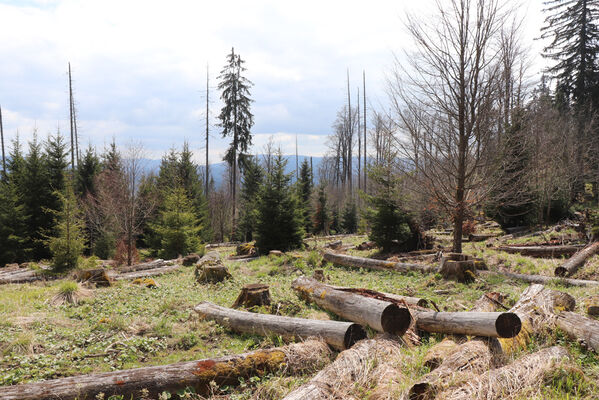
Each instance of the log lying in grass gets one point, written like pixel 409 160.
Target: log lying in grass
pixel 390 297
pixel 143 266
pixel 577 260
pixel 488 324
pixel 526 373
pixel 352 367
pixel 536 308
pixel 541 279
pixel 541 251
pixel 295 358
pixel 584 329
pixel 379 265
pixel 147 272
pixel 382 316
pixel 22 275
pixel 340 335
pixel 481 237
pixel 217 245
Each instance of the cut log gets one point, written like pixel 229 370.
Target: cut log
pixel 97 276
pixel 488 324
pixel 147 272
pixel 526 373
pixel 585 330
pixel 382 316
pixel 577 260
pixel 541 251
pixel 295 358
pixel 401 301
pixel 340 335
pixel 143 266
pixel 23 276
pixel 217 245
pixel 536 308
pixel 252 295
pixel 345 260
pixel 541 279
pixel 351 366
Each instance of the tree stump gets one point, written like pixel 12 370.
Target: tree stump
pixel 211 272
pixel 592 305
pixel 334 245
pixel 319 275
pixel 191 259
pixel 458 267
pixel 246 249
pixel 97 276
pixel 254 294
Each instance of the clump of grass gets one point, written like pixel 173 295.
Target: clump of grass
pixel 162 328
pixel 314 259
pixel 22 344
pixel 69 292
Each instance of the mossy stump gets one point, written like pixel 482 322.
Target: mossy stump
pixel 211 272
pixel 458 267
pixel 97 276
pixel 254 294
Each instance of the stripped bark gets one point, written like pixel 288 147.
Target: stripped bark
pixel 488 324
pixel 541 251
pixel 295 358
pixel 390 297
pixel 541 279
pixel 345 260
pixel 144 266
pixel 382 316
pixel 577 260
pixel 581 328
pixel 340 335
pixel 147 272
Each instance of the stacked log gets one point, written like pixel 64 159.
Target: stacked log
pixel 382 316
pixel 295 358
pixel 577 260
pixel 580 328
pixel 340 335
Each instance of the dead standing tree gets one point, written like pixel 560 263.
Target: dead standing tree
pixel 448 90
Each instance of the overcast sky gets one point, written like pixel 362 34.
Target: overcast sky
pixel 139 67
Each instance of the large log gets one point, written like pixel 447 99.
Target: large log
pixel 541 251
pixel 541 279
pixel 488 324
pixel 295 358
pixel 217 245
pixel 525 373
pixel 390 297
pixel 345 260
pixel 577 260
pixel 147 272
pixel 340 335
pixel 581 328
pixel 22 276
pixel 382 316
pixel 536 308
pixel 144 266
pixel 351 366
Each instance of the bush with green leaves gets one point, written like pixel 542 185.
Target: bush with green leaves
pixel 349 218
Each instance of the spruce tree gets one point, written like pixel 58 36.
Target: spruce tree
pixel 13 225
pixel 236 119
pixel 178 228
pixel 67 245
pixel 56 165
pixel 322 217
pixel 349 218
pixel 279 215
pixel 253 176
pixel 305 194
pixel 87 171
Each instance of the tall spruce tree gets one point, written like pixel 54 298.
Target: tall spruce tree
pixel 87 171
pixel 279 215
pixel 253 176
pixel 305 194
pixel 349 218
pixel 13 225
pixel 236 119
pixel 56 165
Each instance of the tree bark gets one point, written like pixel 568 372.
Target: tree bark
pixel 147 272
pixel 541 251
pixel 144 266
pixel 340 335
pixel 295 358
pixel 525 373
pixel 390 297
pixel 351 366
pixel 488 324
pixel 379 265
pixel 382 316
pixel 541 279
pixel 254 294
pixel 577 260
pixel 585 330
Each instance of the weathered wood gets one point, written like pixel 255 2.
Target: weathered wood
pixel 526 373
pixel 541 251
pixel 212 273
pixel 351 366
pixel 577 260
pixel 592 306
pixel 488 324
pixel 460 271
pixel 22 276
pixel 541 279
pixel 390 297
pixel 253 294
pixel 481 237
pixel 190 259
pixel 340 335
pixel 144 266
pixel 345 260
pixel 147 272
pixel 97 276
pixel 217 245
pixel 295 358
pixel 536 308
pixel 585 330
pixel 382 316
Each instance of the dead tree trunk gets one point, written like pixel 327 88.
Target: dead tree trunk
pixel 541 251
pixel 295 358
pixel 390 297
pixel 351 366
pixel 540 279
pixel 382 316
pixel 525 373
pixel 536 309
pixel 340 335
pixel 379 265
pixel 488 324
pixel 584 329
pixel 577 260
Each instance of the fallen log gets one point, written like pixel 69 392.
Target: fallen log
pixel 541 251
pixel 525 373
pixel 577 260
pixel 488 324
pixel 536 308
pixel 217 245
pixel 390 297
pixel 147 272
pixel 481 237
pixel 382 316
pixel 345 260
pixel 340 335
pixel 585 330
pixel 143 266
pixel 22 276
pixel 541 279
pixel 294 358
pixel 351 366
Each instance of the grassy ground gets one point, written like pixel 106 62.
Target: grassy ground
pixel 128 325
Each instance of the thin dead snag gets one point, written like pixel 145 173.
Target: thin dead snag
pixel 356 367
pixel 295 358
pixel 525 373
